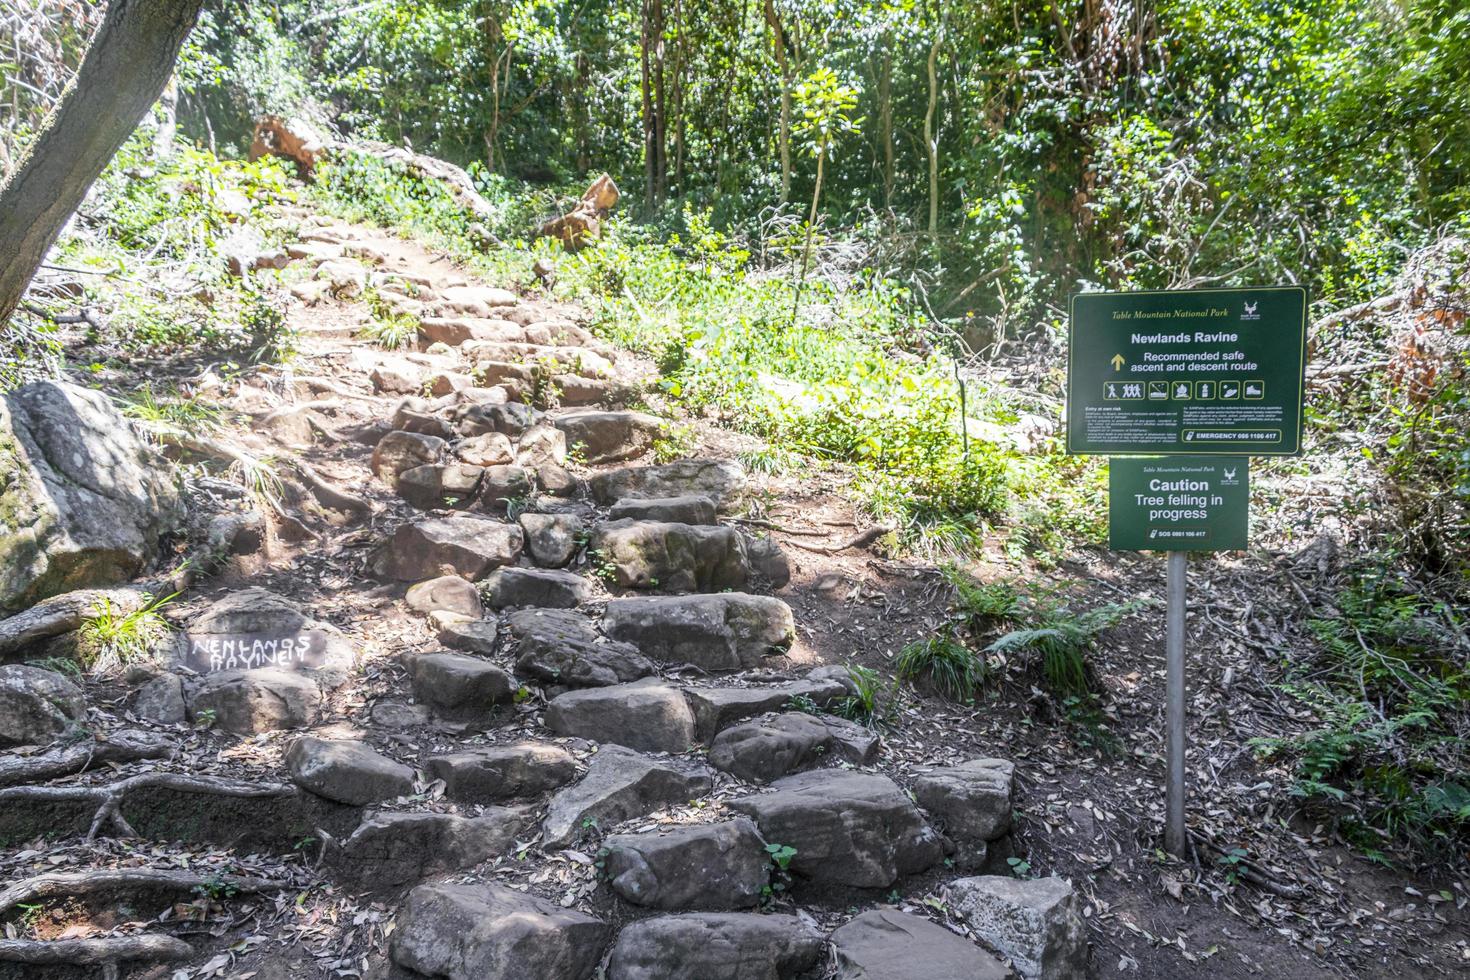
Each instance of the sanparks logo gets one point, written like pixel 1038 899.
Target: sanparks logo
pixel 1251 311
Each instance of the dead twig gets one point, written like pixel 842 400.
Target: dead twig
pixel 104 951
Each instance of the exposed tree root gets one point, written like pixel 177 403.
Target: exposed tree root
pixel 66 884
pixel 72 759
pixel 104 951
pixel 856 541
pixel 109 797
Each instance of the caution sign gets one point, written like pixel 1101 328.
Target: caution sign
pixel 1200 371
pixel 1178 503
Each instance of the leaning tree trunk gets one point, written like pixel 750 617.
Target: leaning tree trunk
pixel 125 68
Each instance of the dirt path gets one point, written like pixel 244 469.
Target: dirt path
pixel 646 647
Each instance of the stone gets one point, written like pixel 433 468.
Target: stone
pixel 396 714
pixel 37 705
pixel 716 946
pixel 454 331
pixel 459 685
pixel 541 444
pixel 562 647
pixel 440 485
pixel 886 944
pixel 610 437
pixel 555 480
pixel 347 277
pixel 972 800
pixel 726 632
pixel 388 850
pixel 720 480
pixel 347 772
pixel 161 700
pixel 493 773
pixel 248 702
pixel 485 449
pixel 447 592
pixel 768 561
pixel 552 540
pixel 509 419
pixel 693 508
pixel 417 416
pixel 472 547
pixel 84 502
pixel 448 382
pixel 399 451
pixel 253 610
pixel 476 300
pixel 558 333
pixel 774 746
pixel 499 372
pixel 620 784
pixel 716 708
pixel 538 587
pixel 480 932
pixel 848 828
pixel 672 557
pixel 396 380
pixel 504 486
pixel 705 867
pixel 575 390
pixel 480 636
pixel 648 715
pixel 1035 922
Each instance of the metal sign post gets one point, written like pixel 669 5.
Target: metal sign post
pixel 1199 380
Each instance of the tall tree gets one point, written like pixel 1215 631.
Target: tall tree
pixel 127 65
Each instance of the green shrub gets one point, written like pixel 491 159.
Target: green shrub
pixel 1061 640
pixel 947 665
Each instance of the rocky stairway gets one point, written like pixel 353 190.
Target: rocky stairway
pixel 595 692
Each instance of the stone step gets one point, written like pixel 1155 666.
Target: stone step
pixel 552 540
pixel 716 708
pixel 972 802
pixel 610 437
pixel 580 361
pixel 348 772
pixel 704 867
pixel 562 647
pixel 388 850
pixel 886 944
pixel 648 715
pixel 671 557
pixel 620 784
pixel 543 588
pixel 694 508
pixel 777 745
pixel 471 547
pixel 716 946
pixel 725 632
pixel 460 687
pixel 495 773
pixel 454 331
pixel 1036 923
pixel 722 481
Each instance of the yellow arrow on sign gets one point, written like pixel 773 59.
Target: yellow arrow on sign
pixel 1118 362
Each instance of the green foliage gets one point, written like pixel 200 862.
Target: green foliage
pixel 863 704
pixel 173 410
pixel 1390 692
pixel 110 639
pixel 387 329
pixel 948 666
pixel 1062 639
pixel 781 855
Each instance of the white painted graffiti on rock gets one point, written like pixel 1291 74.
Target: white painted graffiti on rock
pixel 209 652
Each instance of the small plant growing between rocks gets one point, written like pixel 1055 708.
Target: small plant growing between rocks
pixel 111 639
pixel 862 705
pixel 674 443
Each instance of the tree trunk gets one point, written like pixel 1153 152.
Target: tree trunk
pixel 646 84
pixel 885 123
pixel 784 135
pixel 660 107
pixel 125 68
pixel 931 140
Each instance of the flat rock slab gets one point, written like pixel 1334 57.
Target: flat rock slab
pixel 726 632
pixel 493 773
pixel 471 547
pixel 225 635
pixel 694 508
pixel 441 486
pixel 706 867
pixel 478 932
pixel 544 588
pixel 716 708
pixel 400 451
pixel 561 647
pixel 248 702
pixel 716 946
pixel 848 828
pixel 447 592
pixel 460 686
pixel 479 636
pixel 648 715
pixel 37 705
pixel 348 772
pixel 1035 922
pixel 610 437
pixel 887 944
pixel 509 419
pixel 672 557
pixel 552 540
pixel 777 745
pixel 392 849
pixel 720 480
pixel 972 799
pixel 620 784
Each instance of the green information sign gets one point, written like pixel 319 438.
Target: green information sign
pixel 1200 371
pixel 1178 503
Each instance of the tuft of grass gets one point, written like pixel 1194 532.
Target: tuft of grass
pixel 948 666
pixel 111 639
pixel 674 443
pixel 862 705
pixel 172 410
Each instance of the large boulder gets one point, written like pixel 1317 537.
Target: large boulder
pixel 1035 922
pixel 492 773
pixel 772 747
pixel 552 540
pixel 886 944
pixel 972 800
pixel 459 686
pixel 716 946
pixel 620 784
pixel 36 705
pixel 610 437
pixel 672 557
pixel 707 867
pixel 716 708
pixel 543 588
pixel 726 632
pixel 255 628
pixel 478 932
pixel 346 772
pixel 248 702
pixel 648 715
pixel 392 849
pixel 399 451
pixel 720 480
pixel 470 546
pixel 445 593
pixel 557 646
pixel 848 828
pixel 83 500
